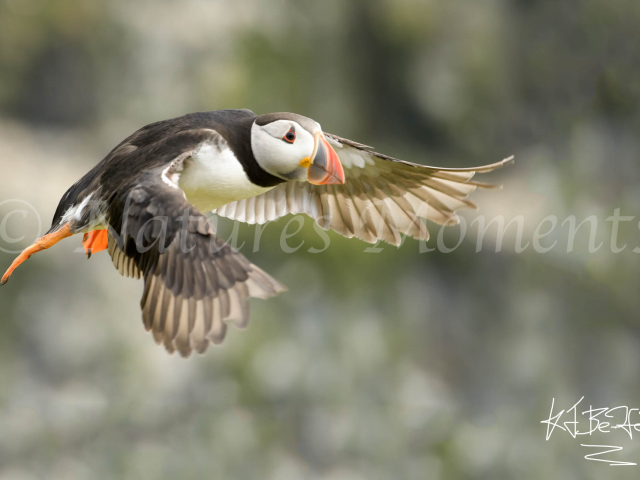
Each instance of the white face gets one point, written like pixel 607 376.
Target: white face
pixel 283 148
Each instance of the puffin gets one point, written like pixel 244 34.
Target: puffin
pixel 145 204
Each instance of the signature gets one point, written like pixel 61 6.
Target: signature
pixel 602 420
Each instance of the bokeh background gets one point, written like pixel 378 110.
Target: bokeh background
pixel 390 365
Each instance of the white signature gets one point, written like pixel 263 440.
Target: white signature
pixel 600 420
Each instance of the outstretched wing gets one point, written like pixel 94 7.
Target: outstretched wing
pixel 382 197
pixel 194 282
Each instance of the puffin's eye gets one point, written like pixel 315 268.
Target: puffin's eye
pixel 290 137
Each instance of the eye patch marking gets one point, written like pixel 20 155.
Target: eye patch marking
pixel 290 136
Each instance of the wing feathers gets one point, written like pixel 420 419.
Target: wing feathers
pixel 194 283
pixel 185 322
pixel 382 198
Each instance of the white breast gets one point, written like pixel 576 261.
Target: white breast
pixel 214 177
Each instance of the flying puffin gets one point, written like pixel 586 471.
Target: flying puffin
pixel 144 204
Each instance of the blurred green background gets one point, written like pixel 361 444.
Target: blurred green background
pixel 391 365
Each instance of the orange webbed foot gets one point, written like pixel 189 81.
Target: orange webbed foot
pixel 94 242
pixel 43 243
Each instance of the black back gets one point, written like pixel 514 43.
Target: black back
pixel 145 149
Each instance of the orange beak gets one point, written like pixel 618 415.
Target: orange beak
pixel 325 165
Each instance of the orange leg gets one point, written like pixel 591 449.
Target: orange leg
pixel 94 242
pixel 41 244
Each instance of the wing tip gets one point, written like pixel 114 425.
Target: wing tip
pixel 508 161
pixel 278 288
pixel 494 166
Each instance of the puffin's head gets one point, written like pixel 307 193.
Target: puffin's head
pixel 293 147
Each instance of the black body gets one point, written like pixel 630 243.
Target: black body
pixel 157 144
